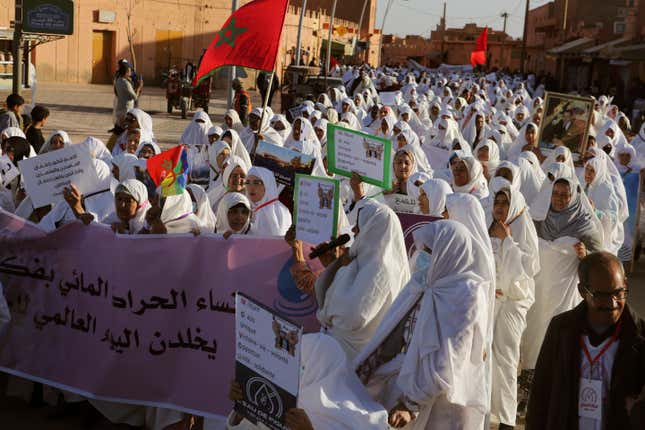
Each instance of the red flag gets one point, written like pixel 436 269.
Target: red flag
pixel 249 38
pixel 478 56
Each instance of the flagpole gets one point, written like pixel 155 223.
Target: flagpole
pixel 231 72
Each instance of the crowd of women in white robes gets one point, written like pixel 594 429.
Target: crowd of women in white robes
pixel 435 334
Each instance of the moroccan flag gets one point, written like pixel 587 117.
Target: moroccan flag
pixel 249 38
pixel 170 170
pixel 478 56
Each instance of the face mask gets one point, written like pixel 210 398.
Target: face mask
pixel 194 207
pixel 423 261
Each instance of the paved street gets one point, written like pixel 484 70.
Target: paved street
pixel 84 110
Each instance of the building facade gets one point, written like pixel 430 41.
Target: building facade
pixel 589 45
pixel 452 46
pixel 167 33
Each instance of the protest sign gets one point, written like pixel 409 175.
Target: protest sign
pixel 8 172
pixel 48 174
pixel 565 123
pixel 352 151
pixel 389 98
pixel 91 318
pixel 438 157
pixel 411 223
pixel 315 212
pixel 402 203
pixel 267 365
pixel 283 162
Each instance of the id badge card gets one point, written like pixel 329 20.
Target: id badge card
pixel 590 399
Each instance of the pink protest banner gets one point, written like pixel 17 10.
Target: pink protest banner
pixel 141 319
pixel 409 224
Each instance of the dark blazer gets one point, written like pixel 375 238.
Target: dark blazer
pixel 553 403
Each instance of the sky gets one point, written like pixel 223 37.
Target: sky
pixel 422 16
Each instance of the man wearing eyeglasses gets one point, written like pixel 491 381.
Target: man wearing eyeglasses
pixel 590 373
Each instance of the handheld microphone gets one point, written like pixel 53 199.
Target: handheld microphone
pixel 339 241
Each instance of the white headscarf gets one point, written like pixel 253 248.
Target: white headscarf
pixel 437 191
pixel 414 179
pixel 446 353
pixel 155 148
pixel 493 153
pixel 228 201
pixel 279 118
pixel 270 216
pixel 177 214
pixel 522 230
pixel 197 132
pixel 477 185
pixel 214 150
pixel 605 200
pixel 98 150
pixel 47 146
pixel 139 192
pixel 237 146
pixel 220 188
pixel 126 164
pixel 216 130
pixel 235 117
pixel 361 292
pixel 204 211
pixel 330 391
pixel 145 124
pixel 268 133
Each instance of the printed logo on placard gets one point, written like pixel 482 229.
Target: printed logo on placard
pixel 292 302
pixel 265 396
pixel 407 236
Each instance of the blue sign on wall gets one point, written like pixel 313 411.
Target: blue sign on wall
pixel 48 16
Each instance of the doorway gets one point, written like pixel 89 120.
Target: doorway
pixel 102 57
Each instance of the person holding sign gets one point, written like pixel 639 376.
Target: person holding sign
pixel 356 290
pixel 427 361
pixel 270 216
pixel 590 373
pixel 96 206
pixel 330 396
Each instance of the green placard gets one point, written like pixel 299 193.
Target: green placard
pixel 336 202
pixel 359 142
pixel 48 16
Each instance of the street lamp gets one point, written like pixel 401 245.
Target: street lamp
pixel 380 45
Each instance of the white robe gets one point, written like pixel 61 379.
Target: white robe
pixel 361 292
pixel 444 369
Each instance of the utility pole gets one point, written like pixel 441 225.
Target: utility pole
pixel 443 31
pixel 360 27
pixel 526 21
pixel 331 31
pixel 505 15
pixel 231 72
pixel 17 49
pixel 380 45
pixel 564 17
pixel 299 37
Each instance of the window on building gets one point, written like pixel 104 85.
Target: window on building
pixel 619 27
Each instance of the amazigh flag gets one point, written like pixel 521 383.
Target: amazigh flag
pixel 478 56
pixel 170 170
pixel 249 38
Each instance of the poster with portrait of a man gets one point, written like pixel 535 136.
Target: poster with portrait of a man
pixel 565 122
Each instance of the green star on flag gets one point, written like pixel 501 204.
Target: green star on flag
pixel 228 34
pixel 250 37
